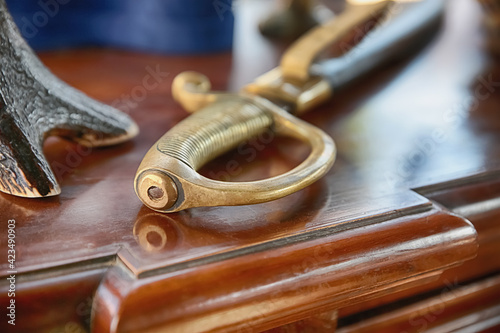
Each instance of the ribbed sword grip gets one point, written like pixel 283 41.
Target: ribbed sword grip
pixel 214 130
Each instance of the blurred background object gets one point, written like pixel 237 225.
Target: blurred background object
pixel 166 26
pixel 492 24
pixel 297 17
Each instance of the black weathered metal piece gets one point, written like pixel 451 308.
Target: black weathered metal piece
pixel 34 104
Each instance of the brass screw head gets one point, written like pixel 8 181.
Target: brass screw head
pixel 157 190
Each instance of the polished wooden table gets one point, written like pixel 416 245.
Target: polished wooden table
pixel 402 235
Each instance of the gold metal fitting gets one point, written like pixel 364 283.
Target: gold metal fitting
pixel 172 163
pixel 298 96
pixel 291 83
pixel 355 22
pixel 192 91
pixel 156 189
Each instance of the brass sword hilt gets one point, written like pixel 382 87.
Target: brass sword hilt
pixel 167 179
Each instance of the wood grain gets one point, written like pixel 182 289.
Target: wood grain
pixel 471 308
pixel 279 281
pixel 417 144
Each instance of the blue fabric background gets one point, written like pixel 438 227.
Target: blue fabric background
pixel 171 26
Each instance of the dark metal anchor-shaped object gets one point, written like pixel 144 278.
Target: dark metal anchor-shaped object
pixel 34 104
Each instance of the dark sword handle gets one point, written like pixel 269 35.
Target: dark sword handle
pixel 407 30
